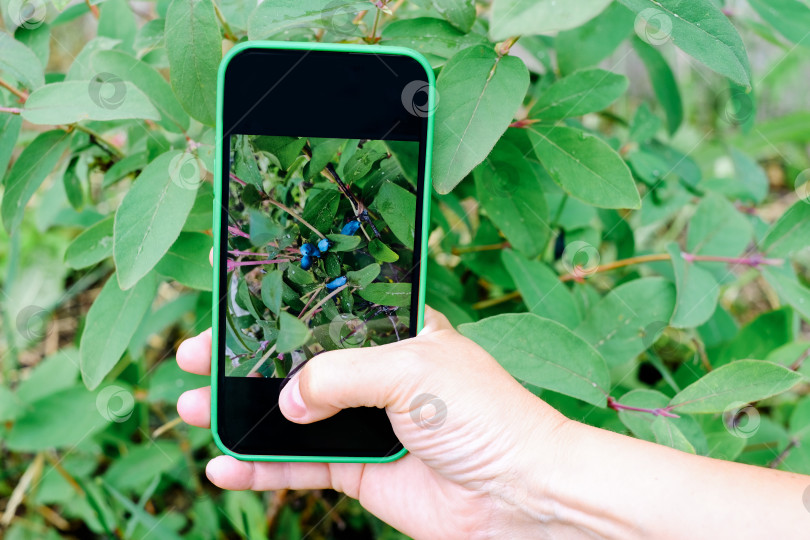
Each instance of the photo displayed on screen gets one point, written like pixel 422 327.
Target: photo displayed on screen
pixel 319 250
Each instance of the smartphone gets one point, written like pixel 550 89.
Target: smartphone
pixel 322 204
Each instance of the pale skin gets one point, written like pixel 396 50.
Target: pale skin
pixel 502 463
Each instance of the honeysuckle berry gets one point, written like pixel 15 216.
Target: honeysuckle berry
pixel 309 249
pixel 306 262
pixel 335 283
pixel 350 228
pixel 324 244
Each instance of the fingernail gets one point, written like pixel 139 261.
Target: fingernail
pixel 295 402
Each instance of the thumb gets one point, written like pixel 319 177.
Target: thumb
pixel 365 377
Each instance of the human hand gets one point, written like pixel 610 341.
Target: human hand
pixel 480 453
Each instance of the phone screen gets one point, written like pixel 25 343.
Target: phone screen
pixel 319 251
pixel 322 174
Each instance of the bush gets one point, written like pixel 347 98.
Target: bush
pixel 636 255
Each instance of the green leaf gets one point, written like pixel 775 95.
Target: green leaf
pixel 148 522
pixel 320 211
pixel 282 16
pixel 543 353
pixel 73 185
pixel 362 160
pixel 791 18
pixel 717 228
pixel 111 322
pixel 700 29
pixel 381 252
pixel 480 93
pixel 460 13
pixel 35 162
pixel 759 338
pixel 168 381
pixel 741 381
pixel 790 290
pixel 387 294
pixel 134 471
pixel 668 434
pixel 438 40
pixel 585 166
pixel 149 81
pixel 194 48
pixel 624 323
pixel 272 289
pixel 285 149
pixel 342 242
pixel 531 17
pixel 292 334
pixel 44 425
pixel 697 288
pixel 187 261
pixel 542 291
pixel 589 44
pixel 789 234
pixel 10 125
pixel 20 62
pixel 106 97
pixel 397 206
pixel 511 192
pixel 53 374
pixel 751 175
pixel 663 82
pixel 117 21
pixel 363 277
pixel 93 245
pixel 579 93
pixel 152 213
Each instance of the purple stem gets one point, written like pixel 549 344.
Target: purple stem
pixel 754 260
pixel 238 180
pixel 660 411
pixel 238 232
pixel 234 264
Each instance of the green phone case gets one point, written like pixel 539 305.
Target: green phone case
pixel 336 47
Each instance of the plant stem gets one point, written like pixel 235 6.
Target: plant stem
pixel 262 360
pixel 476 249
pixel 93 9
pixel 659 411
pixel 225 26
pixel 792 443
pixel 19 93
pixel 107 145
pixel 11 110
pixel 296 216
pixel 310 299
pixel 237 232
pixel 237 180
pixel 234 264
pixel 373 36
pixel 483 304
pixel 326 298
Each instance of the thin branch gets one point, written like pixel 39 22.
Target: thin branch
pixel 296 216
pixel 93 9
pixel 11 110
pixel 658 411
pixel 326 298
pixel 225 26
pixel 104 143
pixel 262 360
pixel 19 93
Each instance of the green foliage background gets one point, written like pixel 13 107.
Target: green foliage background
pixel 635 253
